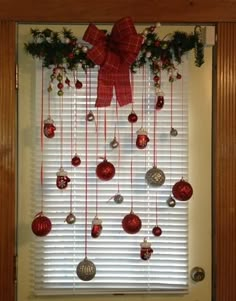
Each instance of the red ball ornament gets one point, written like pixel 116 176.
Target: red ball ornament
pixel 131 223
pixel 105 170
pixel 182 190
pixel 60 86
pixel 78 84
pixel 156 231
pixel 75 161
pixel 41 225
pixel 132 118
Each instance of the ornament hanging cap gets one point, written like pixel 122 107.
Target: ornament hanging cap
pixel 96 221
pixel 48 120
pixel 145 243
pixel 61 172
pixel 142 131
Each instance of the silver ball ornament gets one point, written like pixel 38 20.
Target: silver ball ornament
pixel 70 219
pixel 173 132
pixel 86 270
pixel 114 143
pixel 90 116
pixel 155 177
pixel 171 201
pixel 118 198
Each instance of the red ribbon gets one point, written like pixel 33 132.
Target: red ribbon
pixel 114 54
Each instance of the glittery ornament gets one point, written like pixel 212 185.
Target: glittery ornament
pixel 131 223
pixel 160 100
pixel 70 219
pixel 132 118
pixel 114 143
pixel 86 270
pixel 62 179
pixel 155 177
pixel 182 190
pixel 171 201
pixel 145 250
pixel 90 116
pixel 105 170
pixel 156 231
pixel 41 225
pixel 173 132
pixel 78 84
pixel 142 138
pixel 96 227
pixel 118 198
pixel 75 161
pixel 49 128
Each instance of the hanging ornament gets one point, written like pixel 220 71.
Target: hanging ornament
pixel 156 231
pixel 86 270
pixel 114 143
pixel 132 118
pixel 62 179
pixel 131 223
pixel 75 161
pixel 142 138
pixel 145 250
pixel 105 170
pixel 118 198
pixel 182 190
pixel 41 225
pixel 71 218
pixel 49 128
pixel 173 132
pixel 171 201
pixel 90 116
pixel 155 177
pixel 78 84
pixel 96 227
pixel 160 100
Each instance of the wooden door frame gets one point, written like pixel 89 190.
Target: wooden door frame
pixel 223 15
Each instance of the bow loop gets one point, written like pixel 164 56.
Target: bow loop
pixel 114 54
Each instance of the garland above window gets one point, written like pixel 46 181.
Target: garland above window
pixel 64 49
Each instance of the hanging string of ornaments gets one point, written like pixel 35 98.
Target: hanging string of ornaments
pixel 118 54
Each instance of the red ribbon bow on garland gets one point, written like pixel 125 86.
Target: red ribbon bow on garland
pixel 114 54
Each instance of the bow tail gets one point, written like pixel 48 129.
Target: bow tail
pixel 123 87
pixel 104 88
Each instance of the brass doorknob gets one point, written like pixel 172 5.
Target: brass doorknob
pixel 197 274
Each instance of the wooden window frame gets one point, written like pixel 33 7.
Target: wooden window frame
pixel 220 13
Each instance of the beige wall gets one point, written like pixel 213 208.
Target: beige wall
pixel 200 174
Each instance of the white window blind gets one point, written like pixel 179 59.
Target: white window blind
pixel 116 254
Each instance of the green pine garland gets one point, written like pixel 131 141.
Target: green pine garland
pixel 62 49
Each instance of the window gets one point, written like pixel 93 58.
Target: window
pixel 115 253
pixel 57 203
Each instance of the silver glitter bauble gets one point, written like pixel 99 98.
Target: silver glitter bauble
pixel 86 270
pixel 70 219
pixel 90 116
pixel 171 201
pixel 173 132
pixel 114 143
pixel 155 177
pixel 118 198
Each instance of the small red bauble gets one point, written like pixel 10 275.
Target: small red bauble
pixel 105 170
pixel 60 86
pixel 78 84
pixel 182 190
pixel 131 223
pixel 156 231
pixel 132 118
pixel 75 161
pixel 41 225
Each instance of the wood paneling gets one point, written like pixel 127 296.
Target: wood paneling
pixel 225 164
pixel 7 159
pixel 224 152
pixel 112 10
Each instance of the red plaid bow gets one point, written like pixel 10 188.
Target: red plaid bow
pixel 114 54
